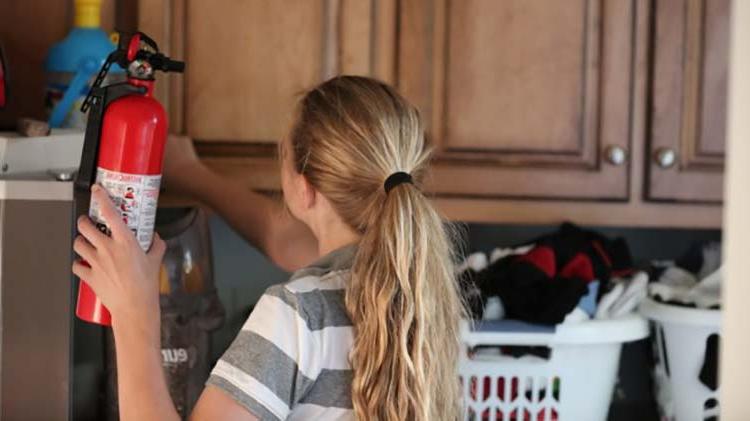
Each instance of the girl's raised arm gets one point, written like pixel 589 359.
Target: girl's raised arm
pixel 261 220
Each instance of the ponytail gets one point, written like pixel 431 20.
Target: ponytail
pixel 403 302
pixel 350 134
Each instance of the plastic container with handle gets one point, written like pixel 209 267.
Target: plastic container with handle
pixel 72 63
pixel 575 382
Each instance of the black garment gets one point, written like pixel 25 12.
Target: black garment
pixel 527 293
pixel 659 298
pixel 467 281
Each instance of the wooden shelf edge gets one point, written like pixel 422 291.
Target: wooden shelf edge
pixel 631 214
pixel 636 213
pixel 262 173
pixel 529 212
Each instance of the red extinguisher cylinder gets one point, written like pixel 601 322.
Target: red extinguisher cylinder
pixel 133 135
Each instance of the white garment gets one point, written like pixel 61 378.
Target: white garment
pixel 578 315
pixel 624 298
pixel 475 261
pixel 681 286
pixel 493 309
pixel 499 253
pixel 707 293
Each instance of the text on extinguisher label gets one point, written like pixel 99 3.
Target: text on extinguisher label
pixel 135 196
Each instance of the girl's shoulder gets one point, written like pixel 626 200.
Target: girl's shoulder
pixel 318 300
pixel 316 292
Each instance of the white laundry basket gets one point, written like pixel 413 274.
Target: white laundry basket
pixel 679 336
pixel 574 384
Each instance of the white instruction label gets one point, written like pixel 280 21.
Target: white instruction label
pixel 135 196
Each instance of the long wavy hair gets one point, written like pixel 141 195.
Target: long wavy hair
pixel 349 135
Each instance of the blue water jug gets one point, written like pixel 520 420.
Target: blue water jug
pixel 72 63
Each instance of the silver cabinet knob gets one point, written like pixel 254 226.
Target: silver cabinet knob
pixel 616 155
pixel 665 157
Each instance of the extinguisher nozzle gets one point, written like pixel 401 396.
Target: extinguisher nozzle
pixel 175 66
pixel 165 64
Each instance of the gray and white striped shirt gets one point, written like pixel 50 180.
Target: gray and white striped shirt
pixel 290 360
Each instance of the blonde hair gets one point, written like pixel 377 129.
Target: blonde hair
pixel 350 134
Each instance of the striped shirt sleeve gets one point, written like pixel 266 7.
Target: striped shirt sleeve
pixel 270 366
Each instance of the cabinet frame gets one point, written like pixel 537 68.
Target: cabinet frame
pixel 681 66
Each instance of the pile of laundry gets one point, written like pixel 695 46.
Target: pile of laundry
pixel 693 280
pixel 570 275
pixel 573 275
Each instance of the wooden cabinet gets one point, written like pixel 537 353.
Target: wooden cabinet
pixel 248 61
pixel 538 111
pixel 522 98
pixel 688 104
pixel 604 112
pixel 242 82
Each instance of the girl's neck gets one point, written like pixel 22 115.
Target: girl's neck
pixel 333 236
pixel 328 227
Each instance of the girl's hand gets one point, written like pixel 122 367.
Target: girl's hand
pixel 124 277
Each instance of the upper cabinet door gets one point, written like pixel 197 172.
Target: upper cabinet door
pixel 689 93
pixel 522 98
pixel 247 61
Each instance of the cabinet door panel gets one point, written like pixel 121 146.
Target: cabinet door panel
pixel 241 82
pixel 501 62
pixel 247 61
pixel 688 109
pixel 521 97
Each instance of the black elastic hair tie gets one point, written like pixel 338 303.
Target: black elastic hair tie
pixel 395 179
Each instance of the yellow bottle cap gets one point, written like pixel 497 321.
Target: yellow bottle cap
pixel 88 13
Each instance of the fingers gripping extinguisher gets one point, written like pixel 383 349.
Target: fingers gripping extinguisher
pixel 123 149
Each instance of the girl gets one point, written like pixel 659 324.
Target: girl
pixel 369 331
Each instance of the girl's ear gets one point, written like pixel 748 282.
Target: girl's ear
pixel 308 192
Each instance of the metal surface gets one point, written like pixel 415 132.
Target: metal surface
pixel 36 309
pixel 616 155
pixel 19 155
pixel 665 157
pixel 63 175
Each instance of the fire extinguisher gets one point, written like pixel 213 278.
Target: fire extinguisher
pixel 123 149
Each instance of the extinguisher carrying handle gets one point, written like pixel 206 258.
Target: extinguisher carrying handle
pixel 100 98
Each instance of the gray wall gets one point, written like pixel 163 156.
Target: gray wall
pixel 241 274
